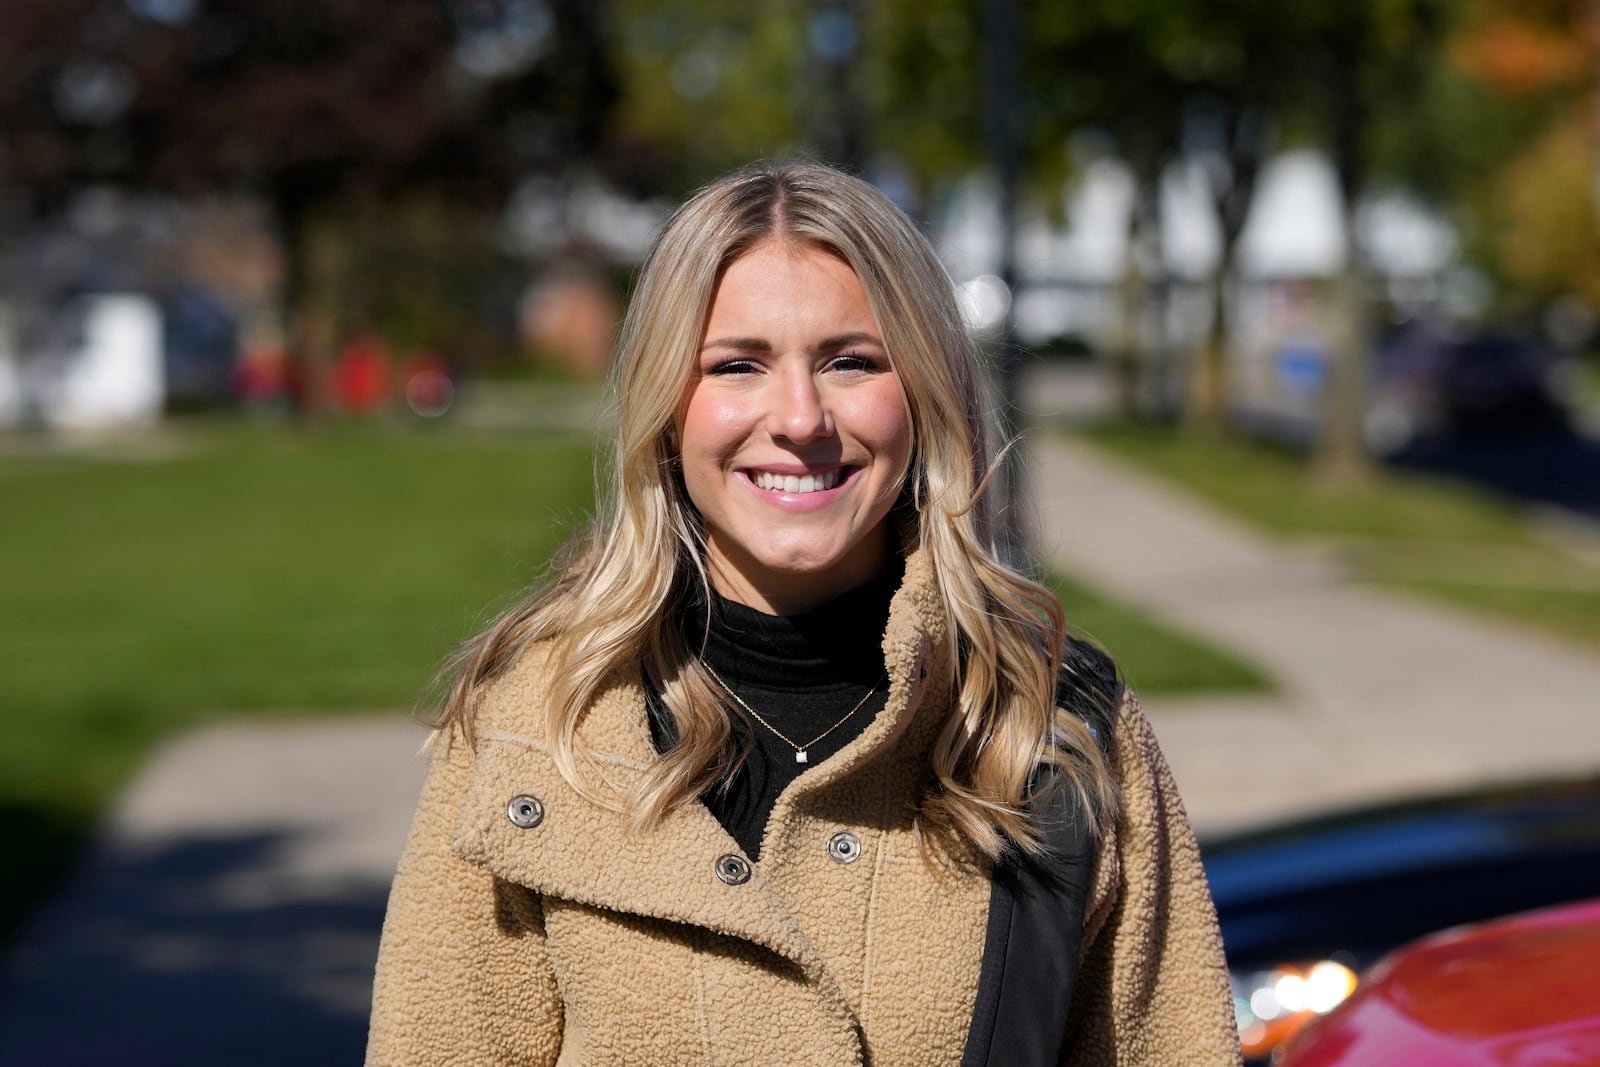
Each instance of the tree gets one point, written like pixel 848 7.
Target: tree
pixel 316 106
pixel 1539 196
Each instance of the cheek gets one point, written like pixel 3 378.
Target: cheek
pixel 711 425
pixel 700 422
pixel 882 421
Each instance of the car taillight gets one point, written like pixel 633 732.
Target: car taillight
pixel 1271 1006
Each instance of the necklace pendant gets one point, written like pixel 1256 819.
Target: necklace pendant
pixel 800 755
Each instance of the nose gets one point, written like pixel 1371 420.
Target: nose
pixel 799 408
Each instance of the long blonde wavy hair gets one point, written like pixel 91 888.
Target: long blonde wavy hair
pixel 610 604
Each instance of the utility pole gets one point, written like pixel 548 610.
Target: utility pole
pixel 1002 38
pixel 833 33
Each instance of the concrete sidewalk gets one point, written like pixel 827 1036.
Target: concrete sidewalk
pixel 1382 695
pixel 229 913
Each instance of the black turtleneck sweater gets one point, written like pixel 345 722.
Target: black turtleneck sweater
pixel 802 674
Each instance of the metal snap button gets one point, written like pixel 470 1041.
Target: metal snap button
pixel 525 811
pixel 733 869
pixel 844 847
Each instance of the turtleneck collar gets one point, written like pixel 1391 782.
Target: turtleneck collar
pixel 835 645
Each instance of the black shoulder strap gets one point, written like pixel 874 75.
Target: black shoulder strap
pixel 1036 904
pixel 1030 954
pixel 1090 687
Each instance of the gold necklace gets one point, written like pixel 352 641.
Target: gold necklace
pixel 800 751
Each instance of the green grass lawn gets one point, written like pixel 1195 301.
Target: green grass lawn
pixel 1588 390
pixel 248 571
pixel 231 570
pixel 1430 536
pixel 1152 657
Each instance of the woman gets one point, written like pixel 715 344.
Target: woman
pixel 785 767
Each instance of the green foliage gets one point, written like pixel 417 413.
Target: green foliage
pixel 424 273
pixel 715 84
pixel 919 76
pixel 1545 227
pixel 926 72
pixel 1451 136
pixel 305 102
pixel 1498 126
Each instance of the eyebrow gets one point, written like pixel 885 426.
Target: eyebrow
pixel 761 344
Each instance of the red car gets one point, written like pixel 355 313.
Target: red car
pixel 1522 991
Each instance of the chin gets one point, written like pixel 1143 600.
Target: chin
pixel 803 569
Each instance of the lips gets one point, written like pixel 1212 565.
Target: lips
pixel 810 482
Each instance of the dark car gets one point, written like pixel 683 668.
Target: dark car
pixel 1306 907
pixel 1431 381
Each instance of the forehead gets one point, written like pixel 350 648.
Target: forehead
pixel 787 284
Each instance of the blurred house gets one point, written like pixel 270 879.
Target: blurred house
pixel 1069 270
pixel 569 317
pixel 579 229
pixel 123 308
pixel 1078 272
pixel 104 368
pixel 11 394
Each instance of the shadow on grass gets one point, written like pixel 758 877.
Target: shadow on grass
pixel 180 954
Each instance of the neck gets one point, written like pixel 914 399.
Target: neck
pixel 790 594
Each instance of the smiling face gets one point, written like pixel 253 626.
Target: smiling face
pixel 793 431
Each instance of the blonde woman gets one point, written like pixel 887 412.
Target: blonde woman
pixel 784 766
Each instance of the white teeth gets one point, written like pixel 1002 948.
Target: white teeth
pixel 792 483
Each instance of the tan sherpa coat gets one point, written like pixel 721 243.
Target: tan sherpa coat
pixel 544 932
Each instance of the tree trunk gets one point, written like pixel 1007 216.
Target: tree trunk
pixel 1124 353
pixel 1341 459
pixel 1130 357
pixel 313 266
pixel 1205 395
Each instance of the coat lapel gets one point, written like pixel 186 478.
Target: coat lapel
pixel 588 853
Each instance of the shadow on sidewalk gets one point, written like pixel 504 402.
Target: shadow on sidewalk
pixel 194 952
pixel 41 845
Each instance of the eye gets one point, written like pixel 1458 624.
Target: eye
pixel 857 362
pixel 722 368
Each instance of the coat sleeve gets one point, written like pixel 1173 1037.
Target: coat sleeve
pixel 463 976
pixel 1152 986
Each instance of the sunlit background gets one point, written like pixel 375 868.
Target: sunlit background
pixel 305 306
